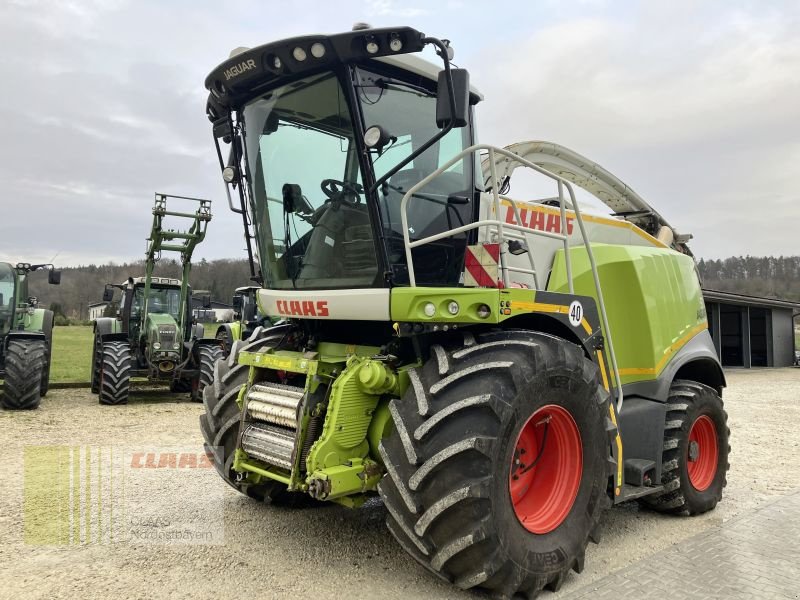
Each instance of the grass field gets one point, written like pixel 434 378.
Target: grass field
pixel 72 352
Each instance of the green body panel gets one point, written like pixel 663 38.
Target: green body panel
pixel 407 304
pixel 236 330
pixel 652 296
pixel 154 320
pixel 30 322
pixel 344 460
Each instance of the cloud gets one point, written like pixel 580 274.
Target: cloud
pixel 699 115
pixel 390 8
pixel 696 105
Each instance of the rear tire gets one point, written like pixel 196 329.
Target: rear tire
pixel 220 422
pixel 97 364
pixel 225 340
pixel 450 462
pixel 208 356
pixel 23 379
pixel 693 474
pixel 115 373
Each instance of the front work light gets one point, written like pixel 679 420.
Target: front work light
pixel 317 50
pixel 229 174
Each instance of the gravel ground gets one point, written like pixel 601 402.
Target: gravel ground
pixel 328 552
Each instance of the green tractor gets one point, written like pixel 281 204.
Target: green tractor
pixel 26 337
pixel 499 372
pixel 154 335
pixel 246 318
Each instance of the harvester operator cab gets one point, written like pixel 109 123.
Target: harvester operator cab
pixel 332 131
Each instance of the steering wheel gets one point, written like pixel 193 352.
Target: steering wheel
pixel 336 190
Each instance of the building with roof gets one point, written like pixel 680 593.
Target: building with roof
pixel 750 331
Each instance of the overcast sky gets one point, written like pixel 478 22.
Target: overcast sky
pixel 696 105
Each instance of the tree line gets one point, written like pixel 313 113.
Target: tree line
pixel 83 285
pixel 769 276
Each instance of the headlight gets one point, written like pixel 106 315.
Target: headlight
pixel 299 54
pixel 452 307
pixel 484 311
pixel 317 50
pixel 229 174
pixel 176 345
pixel 429 309
pixel 156 346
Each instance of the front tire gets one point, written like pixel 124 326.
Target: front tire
pixel 23 379
pixel 115 373
pixel 696 446
pixel 450 490
pixel 208 356
pixel 47 330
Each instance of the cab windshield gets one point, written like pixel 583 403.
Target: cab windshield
pixel 311 215
pixel 165 301
pixel 406 109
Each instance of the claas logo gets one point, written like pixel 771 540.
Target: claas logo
pixel 304 308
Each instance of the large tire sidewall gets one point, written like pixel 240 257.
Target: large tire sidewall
pixel 554 549
pixel 707 404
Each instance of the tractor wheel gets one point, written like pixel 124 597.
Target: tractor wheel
pixel 23 378
pixel 498 466
pixel 208 356
pixel 47 330
pixel 695 457
pixel 225 340
pixel 220 423
pixel 97 364
pixel 115 373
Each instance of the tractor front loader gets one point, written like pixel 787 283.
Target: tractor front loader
pixel 498 371
pixel 153 335
pixel 26 337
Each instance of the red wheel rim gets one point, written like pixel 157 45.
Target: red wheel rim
pixel 543 494
pixel 703 453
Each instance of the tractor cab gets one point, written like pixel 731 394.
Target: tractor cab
pixel 245 305
pixel 8 295
pixel 333 131
pixel 16 306
pixel 151 318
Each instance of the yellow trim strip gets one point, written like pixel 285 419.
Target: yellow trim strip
pixel 586 327
pixel 667 354
pixel 602 369
pixel 619 448
pixel 552 308
pixel 587 219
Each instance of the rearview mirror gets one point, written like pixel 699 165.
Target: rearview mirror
pixel 460 91
pixel 54 277
pixel 237 303
pixel 108 295
pixel 206 298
